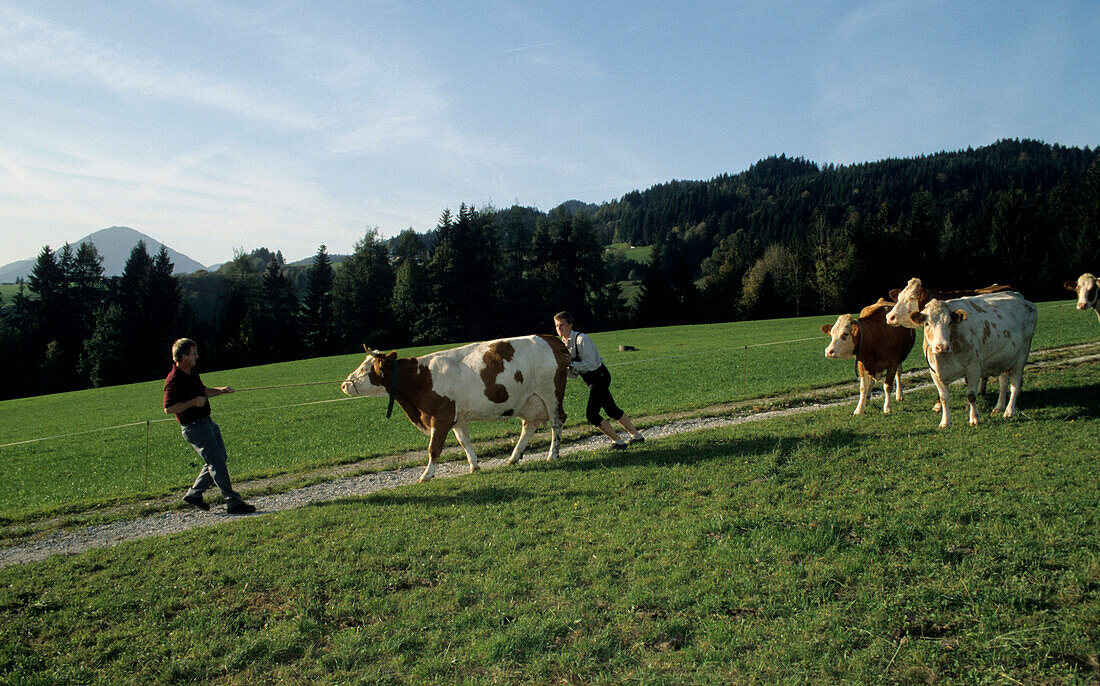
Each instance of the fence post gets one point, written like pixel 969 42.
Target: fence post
pixel 146 454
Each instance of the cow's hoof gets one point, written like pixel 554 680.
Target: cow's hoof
pixel 424 478
pixel 945 425
pixel 886 410
pixel 474 468
pixel 512 460
pixel 859 410
pixel 1009 414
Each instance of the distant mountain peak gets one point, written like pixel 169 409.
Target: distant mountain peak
pixel 114 245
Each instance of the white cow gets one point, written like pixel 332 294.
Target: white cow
pixel 511 377
pixel 976 337
pixel 915 296
pixel 1088 292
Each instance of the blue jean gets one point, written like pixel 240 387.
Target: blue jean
pixel 206 438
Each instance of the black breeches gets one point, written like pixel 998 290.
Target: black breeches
pixel 599 397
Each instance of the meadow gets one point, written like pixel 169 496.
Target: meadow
pixel 812 549
pixel 114 445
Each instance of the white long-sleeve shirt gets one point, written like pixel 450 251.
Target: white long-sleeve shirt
pixel 583 352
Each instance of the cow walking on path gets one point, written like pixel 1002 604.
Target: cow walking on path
pixel 1088 292
pixel 443 391
pixel 976 337
pixel 877 348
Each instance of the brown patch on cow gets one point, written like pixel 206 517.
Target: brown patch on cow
pixel 519 376
pixel 494 358
pixel 561 354
pixel 880 347
pixel 424 407
pixel 507 413
pixel 987 332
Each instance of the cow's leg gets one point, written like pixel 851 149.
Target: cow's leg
pixel 941 387
pixel 889 379
pixel 521 444
pixel 557 421
pixel 897 385
pixel 866 382
pixel 435 447
pixel 973 383
pixel 464 441
pixel 1002 397
pixel 982 386
pixel 1017 381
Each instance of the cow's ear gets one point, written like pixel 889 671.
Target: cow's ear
pixel 958 315
pixel 391 355
pixel 826 329
pixel 1071 286
pixel 918 318
pixel 894 292
pixel 855 329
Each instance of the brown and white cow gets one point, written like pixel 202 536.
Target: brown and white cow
pixel 877 348
pixel 915 296
pixel 443 391
pixel 1088 292
pixel 976 337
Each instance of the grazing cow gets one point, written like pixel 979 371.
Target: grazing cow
pixel 443 391
pixel 1088 292
pixel 976 337
pixel 878 349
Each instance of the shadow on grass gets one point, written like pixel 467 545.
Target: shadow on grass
pixel 771 448
pixel 1080 398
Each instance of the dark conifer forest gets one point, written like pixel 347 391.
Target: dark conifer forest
pixel 787 237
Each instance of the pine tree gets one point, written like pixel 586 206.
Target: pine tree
pixel 317 320
pixel 277 324
pixel 363 294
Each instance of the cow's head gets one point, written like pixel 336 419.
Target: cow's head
pixel 937 321
pixel 1087 290
pixel 370 378
pixel 843 333
pixel 908 302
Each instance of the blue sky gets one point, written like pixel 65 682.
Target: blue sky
pixel 218 125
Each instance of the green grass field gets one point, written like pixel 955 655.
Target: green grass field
pixel 100 450
pixel 813 549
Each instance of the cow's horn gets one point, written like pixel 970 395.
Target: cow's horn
pixel 372 353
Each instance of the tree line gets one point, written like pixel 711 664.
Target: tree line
pixel 786 237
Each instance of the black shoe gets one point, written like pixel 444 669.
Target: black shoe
pixel 618 446
pixel 241 508
pixel 196 501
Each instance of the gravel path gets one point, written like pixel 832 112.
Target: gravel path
pixel 68 542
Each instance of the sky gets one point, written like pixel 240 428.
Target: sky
pixel 219 125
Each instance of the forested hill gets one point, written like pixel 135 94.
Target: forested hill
pixel 789 236
pixel 785 237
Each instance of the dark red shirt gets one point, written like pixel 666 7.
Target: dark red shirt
pixel 180 387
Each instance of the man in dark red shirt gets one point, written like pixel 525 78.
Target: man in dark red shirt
pixel 187 397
